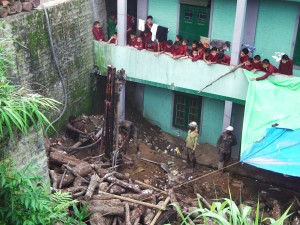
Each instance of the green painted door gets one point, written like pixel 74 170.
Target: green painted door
pixel 194 21
pixel 296 58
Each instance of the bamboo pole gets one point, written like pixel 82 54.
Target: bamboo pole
pixel 160 211
pixel 148 185
pixel 162 208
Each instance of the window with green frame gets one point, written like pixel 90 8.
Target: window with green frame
pixel 187 108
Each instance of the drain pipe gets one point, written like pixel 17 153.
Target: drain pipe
pixel 57 68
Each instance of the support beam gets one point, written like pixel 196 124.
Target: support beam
pixel 122 22
pixel 238 33
pixel 121 105
pixel 227 114
pixel 142 9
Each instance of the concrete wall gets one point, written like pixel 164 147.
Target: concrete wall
pixel 158 109
pixel 275 28
pixel 180 75
pixel 71 24
pixel 165 13
pixel 27 148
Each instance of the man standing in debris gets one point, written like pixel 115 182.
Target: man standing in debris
pixel 225 142
pixel 127 131
pixel 191 143
pixel 74 128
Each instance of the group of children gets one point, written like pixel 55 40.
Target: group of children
pixel 180 50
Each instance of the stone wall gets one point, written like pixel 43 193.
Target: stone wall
pixel 71 23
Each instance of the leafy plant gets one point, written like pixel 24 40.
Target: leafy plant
pixel 82 214
pixel 25 199
pixel 228 213
pixel 19 106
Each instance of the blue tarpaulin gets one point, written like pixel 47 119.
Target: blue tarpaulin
pixel 274 100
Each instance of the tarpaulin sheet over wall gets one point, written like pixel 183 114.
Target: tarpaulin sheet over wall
pixel 274 100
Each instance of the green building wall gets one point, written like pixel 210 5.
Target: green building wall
pixel 158 109
pixel 165 14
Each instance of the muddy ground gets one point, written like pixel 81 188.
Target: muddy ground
pixel 160 147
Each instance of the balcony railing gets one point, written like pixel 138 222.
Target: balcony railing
pixel 179 75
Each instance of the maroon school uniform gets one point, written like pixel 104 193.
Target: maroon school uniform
pixel 146 39
pixel 212 58
pixel 98 33
pixel 185 49
pixel 195 58
pixel 132 42
pixel 139 45
pixel 112 41
pixel 244 59
pixel 161 46
pixel 271 69
pixel 286 68
pixel 168 49
pixel 191 51
pixel 201 54
pixel 257 66
pixel 177 51
pixel 225 60
pixel 151 47
pixel 250 67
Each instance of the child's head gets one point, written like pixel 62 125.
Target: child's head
pixel 265 63
pixel 214 51
pixel 149 43
pixel 220 55
pixel 256 59
pixel 194 52
pixel 176 44
pixel 169 43
pixel 115 35
pixel 284 58
pixel 178 38
pixel 207 51
pixel 139 39
pixel 194 44
pixel 112 15
pixel 149 19
pixel 185 42
pixel 244 52
pixel 97 24
pixel 132 36
pixel 249 62
pixel 200 47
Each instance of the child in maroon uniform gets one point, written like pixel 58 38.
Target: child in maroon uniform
pixel 160 46
pixel 285 65
pixel 178 38
pixel 177 51
pixel 257 64
pixel 194 47
pixel 114 39
pixel 168 48
pixel 223 58
pixel 206 54
pixel 248 65
pixel 151 46
pixel 185 47
pixel 201 50
pixel 195 56
pixel 268 68
pixel 146 36
pixel 98 32
pixel 213 57
pixel 139 45
pixel 244 55
pixel 132 40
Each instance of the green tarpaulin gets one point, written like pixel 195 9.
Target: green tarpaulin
pixel 273 100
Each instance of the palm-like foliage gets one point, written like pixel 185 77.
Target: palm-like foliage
pixel 19 106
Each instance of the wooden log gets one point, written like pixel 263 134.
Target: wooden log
pixel 83 169
pixel 116 189
pixel 78 194
pixel 76 189
pixel 60 158
pixel 108 209
pixel 75 173
pixel 204 201
pixel 139 197
pixel 4 3
pixel 78 182
pixel 127 214
pixel 92 186
pixel 164 205
pixel 137 221
pixel 98 219
pixel 149 216
pixel 135 201
pixel 112 202
pixel 12 9
pixel 55 179
pixel 123 184
pixel 137 213
pixel 103 186
pixel 167 217
pixel 3 12
pixel 26 6
pixel 101 172
pixel 18 6
pixel 103 197
pixel 35 3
